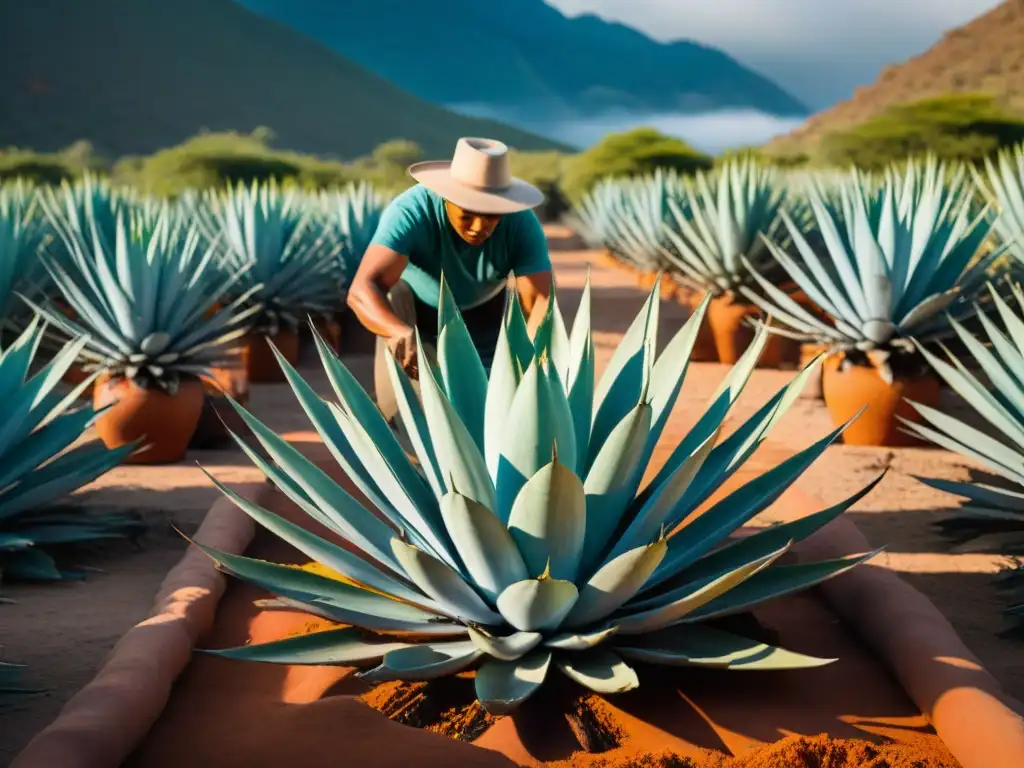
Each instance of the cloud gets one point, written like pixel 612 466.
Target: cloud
pixel 824 46
pixel 711 132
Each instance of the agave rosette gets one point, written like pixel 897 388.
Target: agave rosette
pixel 626 217
pixel 146 299
pixel 1002 185
pixel 898 259
pixel 719 223
pixel 22 232
pixel 999 355
pixel 38 464
pixel 521 538
pixel 286 253
pixel 355 211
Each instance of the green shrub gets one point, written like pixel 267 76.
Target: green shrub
pixel 220 159
pixel 49 167
pixel 965 127
pixel 631 153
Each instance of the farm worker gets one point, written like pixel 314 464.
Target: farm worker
pixel 470 219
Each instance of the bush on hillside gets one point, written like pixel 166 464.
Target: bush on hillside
pixel 49 167
pixel 632 153
pixel 955 127
pixel 216 159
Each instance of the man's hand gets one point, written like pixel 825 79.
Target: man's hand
pixel 403 347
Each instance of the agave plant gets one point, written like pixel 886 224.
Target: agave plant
pixel 521 538
pixel 626 217
pixel 146 299
pixel 1002 185
pixel 39 463
pixel 898 260
pixel 720 223
pixel 1000 402
pixel 286 256
pixel 356 211
pixel 21 235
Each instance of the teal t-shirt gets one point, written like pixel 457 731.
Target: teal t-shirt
pixel 415 224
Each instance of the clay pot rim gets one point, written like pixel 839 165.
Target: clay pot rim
pixel 229 529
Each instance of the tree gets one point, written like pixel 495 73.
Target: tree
pixel 632 153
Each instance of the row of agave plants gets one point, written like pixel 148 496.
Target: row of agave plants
pixel 155 308
pixel 509 530
pixel 902 282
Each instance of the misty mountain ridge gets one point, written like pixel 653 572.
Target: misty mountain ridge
pixel 526 61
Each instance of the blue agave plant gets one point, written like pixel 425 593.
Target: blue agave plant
pixel 522 539
pixel 355 210
pixel 22 233
pixel 998 354
pixel 899 257
pixel 143 298
pixel 39 463
pixel 287 260
pixel 627 216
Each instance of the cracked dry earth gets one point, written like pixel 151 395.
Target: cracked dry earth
pixel 64 631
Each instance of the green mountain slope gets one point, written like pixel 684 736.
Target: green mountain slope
pixel 133 76
pixel 526 55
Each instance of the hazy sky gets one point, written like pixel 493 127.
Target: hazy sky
pixel 820 50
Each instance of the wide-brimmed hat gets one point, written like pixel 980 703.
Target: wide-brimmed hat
pixel 478 178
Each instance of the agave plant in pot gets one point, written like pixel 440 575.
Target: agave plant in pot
pixel 900 259
pixel 40 463
pixel 993 386
pixel 287 257
pixel 142 301
pixel 626 218
pixel 22 232
pixel 712 230
pixel 522 541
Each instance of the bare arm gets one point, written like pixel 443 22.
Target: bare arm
pixel 534 294
pixel 378 272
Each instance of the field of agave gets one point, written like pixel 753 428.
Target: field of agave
pixel 515 532
pixel 906 279
pixel 126 294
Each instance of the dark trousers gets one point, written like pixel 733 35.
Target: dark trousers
pixel 482 322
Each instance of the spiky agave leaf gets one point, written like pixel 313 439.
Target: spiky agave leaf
pixel 145 298
pixel 286 254
pixel 535 547
pixel 997 396
pixel 721 223
pixel 899 255
pixel 1002 185
pixel 38 466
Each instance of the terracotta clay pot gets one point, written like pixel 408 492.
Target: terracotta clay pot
pixel 847 391
pixel 164 422
pixel 75 375
pixel 732 335
pixel 261 363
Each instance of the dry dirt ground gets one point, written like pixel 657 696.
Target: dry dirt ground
pixel 64 631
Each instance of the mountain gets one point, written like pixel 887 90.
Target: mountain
pixel 134 76
pixel 525 56
pixel 983 56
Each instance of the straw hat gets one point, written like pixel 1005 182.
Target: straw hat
pixel 478 178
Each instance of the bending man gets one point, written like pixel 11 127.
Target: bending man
pixel 470 219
